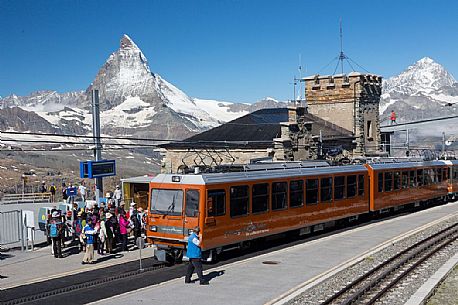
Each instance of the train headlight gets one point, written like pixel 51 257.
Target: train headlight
pixel 153 228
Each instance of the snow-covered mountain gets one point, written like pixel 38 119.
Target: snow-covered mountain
pixel 133 100
pixel 424 90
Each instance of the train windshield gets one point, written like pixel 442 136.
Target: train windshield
pixel 167 202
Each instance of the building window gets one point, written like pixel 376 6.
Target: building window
pixel 369 130
pixel 361 185
pixel 239 199
pixel 311 191
pixel 260 194
pixel 296 193
pixel 339 187
pixel 326 189
pixel 216 202
pixel 351 186
pixel 279 190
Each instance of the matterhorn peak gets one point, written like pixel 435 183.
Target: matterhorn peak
pixel 425 60
pixel 127 42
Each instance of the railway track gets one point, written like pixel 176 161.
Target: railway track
pixel 374 284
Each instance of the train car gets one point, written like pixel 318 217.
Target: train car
pixel 452 178
pixel 235 208
pixel 402 183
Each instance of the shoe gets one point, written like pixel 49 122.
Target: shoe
pixel 83 263
pixel 187 282
pixel 61 256
pixel 204 283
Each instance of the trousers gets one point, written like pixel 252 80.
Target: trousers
pixel 194 263
pixel 57 246
pixel 89 255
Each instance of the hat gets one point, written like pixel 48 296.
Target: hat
pixel 122 203
pixel 140 209
pixel 55 214
pixel 132 204
pixel 108 215
pixel 80 213
pixel 117 186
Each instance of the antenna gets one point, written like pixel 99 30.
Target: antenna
pixel 300 76
pixel 342 56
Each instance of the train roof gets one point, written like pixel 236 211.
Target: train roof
pixel 215 178
pixel 401 165
pixel 450 162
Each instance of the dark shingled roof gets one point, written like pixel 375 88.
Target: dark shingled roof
pixel 257 129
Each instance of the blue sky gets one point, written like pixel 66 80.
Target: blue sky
pixel 239 50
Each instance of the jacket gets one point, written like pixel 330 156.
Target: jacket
pixel 123 225
pixel 193 250
pixel 90 234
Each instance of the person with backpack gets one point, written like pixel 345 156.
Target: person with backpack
pixel 137 225
pixel 90 233
pixel 64 192
pixel 55 231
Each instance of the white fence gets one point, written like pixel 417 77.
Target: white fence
pixel 17 227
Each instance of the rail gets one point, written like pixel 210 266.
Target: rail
pixel 363 285
pixel 26 198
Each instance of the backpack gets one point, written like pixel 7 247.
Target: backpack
pixel 53 230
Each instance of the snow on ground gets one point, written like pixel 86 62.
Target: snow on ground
pixel 219 110
pixel 383 107
pixel 444 98
pixel 133 112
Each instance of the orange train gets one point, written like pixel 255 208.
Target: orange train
pixel 234 208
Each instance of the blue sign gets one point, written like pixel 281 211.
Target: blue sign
pixel 97 169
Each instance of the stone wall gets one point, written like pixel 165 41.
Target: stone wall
pixel 349 101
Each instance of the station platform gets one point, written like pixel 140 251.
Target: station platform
pixel 261 279
pixel 269 278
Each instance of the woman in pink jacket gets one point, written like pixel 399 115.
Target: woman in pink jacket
pixel 123 227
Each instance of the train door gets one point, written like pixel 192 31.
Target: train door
pixel 191 214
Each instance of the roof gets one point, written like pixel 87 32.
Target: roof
pixel 138 179
pixel 257 129
pixel 214 178
pixel 403 165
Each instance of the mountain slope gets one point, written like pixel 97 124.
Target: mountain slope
pixel 424 90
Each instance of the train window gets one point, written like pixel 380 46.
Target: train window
pixel 429 176
pixel 419 177
pixel 239 199
pixel 426 176
pixel 380 182
pixel 437 173
pixel 326 189
pixel 311 193
pixel 216 202
pixel 412 179
pixel 455 173
pixel 397 180
pixel 192 203
pixel 260 195
pixel 360 185
pixel 445 174
pixel 405 180
pixel 339 187
pixel 351 186
pixel 388 181
pixel 279 190
pixel 167 202
pixel 296 193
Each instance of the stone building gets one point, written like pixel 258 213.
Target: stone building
pixel 282 134
pixel 351 102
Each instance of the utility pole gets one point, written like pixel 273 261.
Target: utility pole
pixel 443 144
pixel 98 145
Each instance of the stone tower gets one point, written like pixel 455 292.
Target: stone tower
pixel 349 101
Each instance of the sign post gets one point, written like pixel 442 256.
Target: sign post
pixel 140 244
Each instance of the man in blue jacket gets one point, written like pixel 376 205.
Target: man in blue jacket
pixel 194 254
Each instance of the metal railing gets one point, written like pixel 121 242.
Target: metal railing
pixel 26 198
pixel 12 228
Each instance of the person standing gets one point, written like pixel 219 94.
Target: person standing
pixel 123 230
pixel 194 253
pixel 109 230
pixel 393 117
pixel 82 191
pixel 55 231
pixel 90 234
pixel 52 190
pixel 117 194
pixel 64 192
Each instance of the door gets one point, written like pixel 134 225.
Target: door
pixel 191 215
